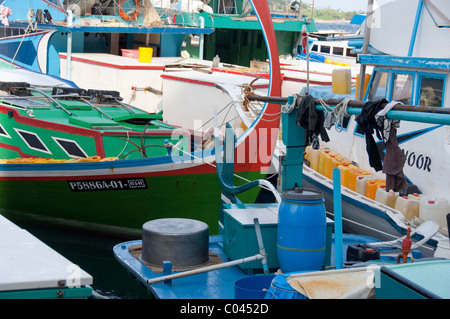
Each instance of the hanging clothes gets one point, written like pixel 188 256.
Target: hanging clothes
pixel 5 12
pixel 394 159
pixel 367 124
pixel 312 121
pixel 393 163
pixel 385 123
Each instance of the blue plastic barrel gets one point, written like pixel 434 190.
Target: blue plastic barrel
pixel 301 236
pixel 280 289
pixel 252 287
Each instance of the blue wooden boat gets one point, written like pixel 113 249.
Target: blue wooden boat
pixel 240 222
pixel 411 71
pixel 233 270
pixel 237 270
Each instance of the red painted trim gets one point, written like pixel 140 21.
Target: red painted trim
pixel 263 12
pixel 310 82
pixel 176 78
pixel 15 149
pixel 200 169
pixel 115 66
pixel 303 71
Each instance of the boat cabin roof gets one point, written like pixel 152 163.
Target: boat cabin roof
pixel 410 80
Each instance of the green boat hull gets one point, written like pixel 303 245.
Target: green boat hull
pixel 119 212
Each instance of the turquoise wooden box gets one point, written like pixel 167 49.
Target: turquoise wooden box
pixel 239 235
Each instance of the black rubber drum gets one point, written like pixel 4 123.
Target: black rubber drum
pixel 182 241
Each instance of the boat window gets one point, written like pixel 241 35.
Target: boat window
pixel 71 148
pixel 350 52
pixel 3 132
pixel 325 49
pixel 314 48
pixel 431 91
pixel 402 88
pixel 32 140
pixel 378 86
pixel 338 51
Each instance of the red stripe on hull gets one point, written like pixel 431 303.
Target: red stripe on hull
pixel 115 66
pixel 199 169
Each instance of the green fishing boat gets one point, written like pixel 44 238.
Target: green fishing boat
pixel 83 158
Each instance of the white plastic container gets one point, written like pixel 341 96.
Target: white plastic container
pixel 361 183
pixel 409 207
pixel 314 159
pixel 216 62
pixel 415 196
pixel 434 208
pixel 341 81
pixel 387 198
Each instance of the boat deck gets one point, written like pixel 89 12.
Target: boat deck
pixel 31 269
pixel 215 284
pixel 200 286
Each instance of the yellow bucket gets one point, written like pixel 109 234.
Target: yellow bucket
pixel 145 54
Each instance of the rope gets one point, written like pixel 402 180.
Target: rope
pixel 125 146
pixel 339 111
pixel 287 108
pixel 27 31
pixel 247 90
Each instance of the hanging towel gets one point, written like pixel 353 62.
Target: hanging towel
pixel 367 124
pixel 393 163
pixel 312 121
pixel 394 159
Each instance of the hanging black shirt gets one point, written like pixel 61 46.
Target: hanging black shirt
pixel 367 124
pixel 312 121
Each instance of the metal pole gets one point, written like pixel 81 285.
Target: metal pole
pixel 205 269
pixel 262 250
pixel 69 46
pixel 415 28
pixel 202 38
pixel 352 103
pixel 337 202
pixel 362 70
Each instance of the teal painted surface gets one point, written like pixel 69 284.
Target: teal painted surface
pixel 51 293
pixel 432 276
pixel 400 61
pixel 294 139
pixel 240 240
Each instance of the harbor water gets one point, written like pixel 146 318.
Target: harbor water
pixel 338 27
